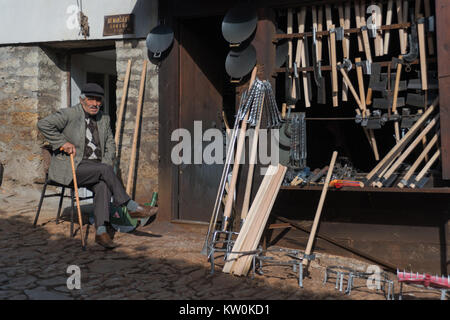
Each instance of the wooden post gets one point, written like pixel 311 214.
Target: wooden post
pixel 319 209
pixel 136 129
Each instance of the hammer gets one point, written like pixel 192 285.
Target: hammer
pixel 75 185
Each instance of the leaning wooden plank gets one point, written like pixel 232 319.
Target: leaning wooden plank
pixel 248 221
pixel 402 143
pixel 271 195
pixel 387 34
pixel 251 234
pixel 312 235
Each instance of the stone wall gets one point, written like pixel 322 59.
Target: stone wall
pixel 146 175
pixel 30 88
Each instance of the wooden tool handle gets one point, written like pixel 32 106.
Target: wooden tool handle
pixel 319 208
pixel 319 29
pixel 401 144
pixel 387 34
pixel 358 25
pixel 401 32
pixel 369 96
pixel 350 86
pixel 301 16
pixel 423 57
pixel 333 68
pixel 362 95
pixel 419 159
pixel 136 129
pixel 122 105
pixel 426 168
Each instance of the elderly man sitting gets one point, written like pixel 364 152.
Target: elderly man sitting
pixel 85 132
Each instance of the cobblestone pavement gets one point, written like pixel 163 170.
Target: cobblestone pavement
pixel 159 261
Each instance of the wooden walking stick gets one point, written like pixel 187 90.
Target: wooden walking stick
pixel 77 197
pixel 122 106
pixel 136 129
pixel 319 210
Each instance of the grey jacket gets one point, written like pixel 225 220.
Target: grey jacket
pixel 68 125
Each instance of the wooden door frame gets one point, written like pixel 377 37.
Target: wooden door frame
pixel 171 11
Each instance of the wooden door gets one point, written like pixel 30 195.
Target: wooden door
pixel 201 77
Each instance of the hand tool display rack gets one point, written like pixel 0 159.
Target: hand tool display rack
pixel 401 36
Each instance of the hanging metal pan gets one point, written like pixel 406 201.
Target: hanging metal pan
pixel 159 40
pixel 239 24
pixel 282 51
pixel 240 62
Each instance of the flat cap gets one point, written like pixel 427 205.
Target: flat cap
pixel 92 89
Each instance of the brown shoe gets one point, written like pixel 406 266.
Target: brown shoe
pixel 105 241
pixel 144 212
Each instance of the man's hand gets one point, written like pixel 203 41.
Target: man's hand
pixel 68 148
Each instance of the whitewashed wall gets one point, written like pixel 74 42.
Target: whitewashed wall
pixel 28 21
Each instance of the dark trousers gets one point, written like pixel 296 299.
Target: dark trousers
pixel 103 182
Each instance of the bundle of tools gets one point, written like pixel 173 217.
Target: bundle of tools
pixel 384 174
pixel 383 91
pixel 252 102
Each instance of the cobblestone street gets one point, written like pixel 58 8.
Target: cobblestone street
pixel 159 261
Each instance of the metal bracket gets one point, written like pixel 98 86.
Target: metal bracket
pixel 366 66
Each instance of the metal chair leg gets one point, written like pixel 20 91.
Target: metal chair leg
pixel 72 213
pixel 40 203
pixel 60 204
